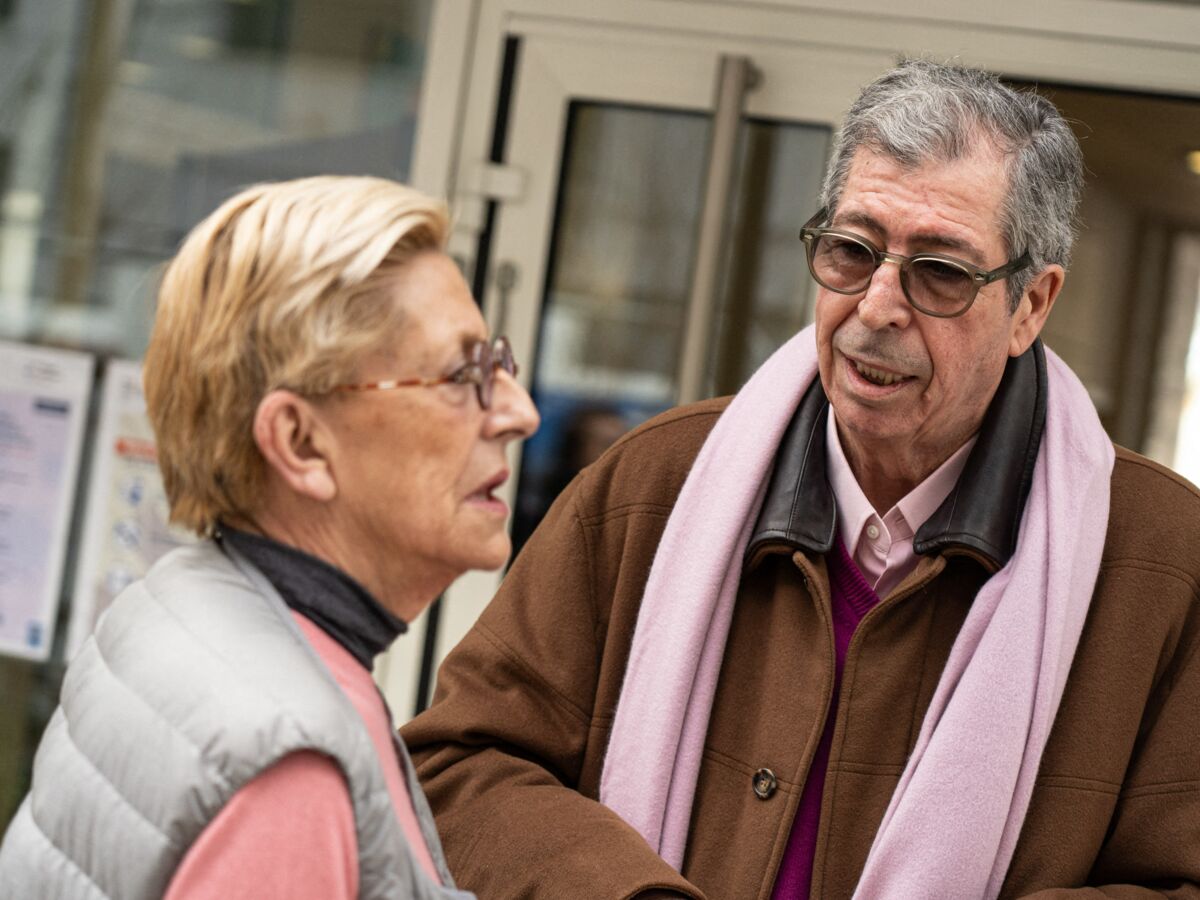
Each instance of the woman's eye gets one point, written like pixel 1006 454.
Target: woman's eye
pixel 465 375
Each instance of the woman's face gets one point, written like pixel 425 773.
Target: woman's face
pixel 417 468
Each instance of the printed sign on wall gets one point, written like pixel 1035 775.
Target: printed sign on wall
pixel 44 397
pixel 126 528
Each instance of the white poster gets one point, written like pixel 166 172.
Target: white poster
pixel 125 529
pixel 44 397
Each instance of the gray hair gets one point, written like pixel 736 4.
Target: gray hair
pixel 923 111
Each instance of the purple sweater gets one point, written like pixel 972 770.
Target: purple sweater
pixel 852 599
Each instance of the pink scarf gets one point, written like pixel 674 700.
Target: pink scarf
pixel 954 819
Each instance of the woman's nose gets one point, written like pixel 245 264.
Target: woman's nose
pixel 512 413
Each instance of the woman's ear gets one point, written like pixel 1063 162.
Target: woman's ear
pixel 293 440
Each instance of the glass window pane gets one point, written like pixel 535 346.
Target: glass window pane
pixel 631 193
pixel 620 273
pixel 768 294
pixel 203 98
pixel 621 253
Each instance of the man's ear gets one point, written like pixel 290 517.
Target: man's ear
pixel 292 439
pixel 1034 308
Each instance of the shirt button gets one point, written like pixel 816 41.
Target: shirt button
pixel 765 784
pixel 873 531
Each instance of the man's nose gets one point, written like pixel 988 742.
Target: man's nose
pixel 884 304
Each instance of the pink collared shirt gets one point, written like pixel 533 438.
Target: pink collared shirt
pixel 882 546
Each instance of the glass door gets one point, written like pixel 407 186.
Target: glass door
pixel 594 243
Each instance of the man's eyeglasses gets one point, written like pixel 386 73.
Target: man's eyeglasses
pixel 483 360
pixel 935 284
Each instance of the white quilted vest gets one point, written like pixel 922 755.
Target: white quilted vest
pixel 196 680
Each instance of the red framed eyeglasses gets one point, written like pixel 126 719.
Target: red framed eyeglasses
pixel 484 358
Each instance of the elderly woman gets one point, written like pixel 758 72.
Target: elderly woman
pixel 332 419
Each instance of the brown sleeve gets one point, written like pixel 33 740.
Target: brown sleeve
pixel 509 752
pixel 1155 836
pixel 1153 845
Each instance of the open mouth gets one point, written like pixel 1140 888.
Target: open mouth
pixel 487 492
pixel 878 376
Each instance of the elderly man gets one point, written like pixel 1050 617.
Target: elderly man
pixel 897 621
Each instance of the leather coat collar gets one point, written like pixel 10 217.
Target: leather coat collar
pixel 982 515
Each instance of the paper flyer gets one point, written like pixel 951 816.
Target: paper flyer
pixel 125 526
pixel 44 396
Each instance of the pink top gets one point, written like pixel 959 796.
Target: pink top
pixel 290 831
pixel 882 548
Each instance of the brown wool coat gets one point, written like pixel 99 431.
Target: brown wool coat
pixel 510 754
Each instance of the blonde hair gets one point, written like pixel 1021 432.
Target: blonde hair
pixel 285 285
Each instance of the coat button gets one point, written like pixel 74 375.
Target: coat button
pixel 765 784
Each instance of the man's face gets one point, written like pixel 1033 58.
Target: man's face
pixel 904 385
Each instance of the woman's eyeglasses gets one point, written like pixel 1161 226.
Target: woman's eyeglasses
pixel 484 358
pixel 935 284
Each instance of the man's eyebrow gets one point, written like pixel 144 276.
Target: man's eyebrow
pixel 926 239
pixel 861 219
pixel 946 242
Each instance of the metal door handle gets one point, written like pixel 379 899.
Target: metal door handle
pixel 737 76
pixel 505 280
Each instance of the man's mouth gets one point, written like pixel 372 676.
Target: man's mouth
pixel 877 376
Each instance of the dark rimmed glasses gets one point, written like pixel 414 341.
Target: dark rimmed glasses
pixel 484 358
pixel 935 284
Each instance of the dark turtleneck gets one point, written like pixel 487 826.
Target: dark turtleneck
pixel 335 602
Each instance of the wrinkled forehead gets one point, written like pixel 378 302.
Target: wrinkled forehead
pixel 438 315
pixel 943 205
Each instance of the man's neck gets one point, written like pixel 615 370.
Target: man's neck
pixel 883 490
pixel 887 473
